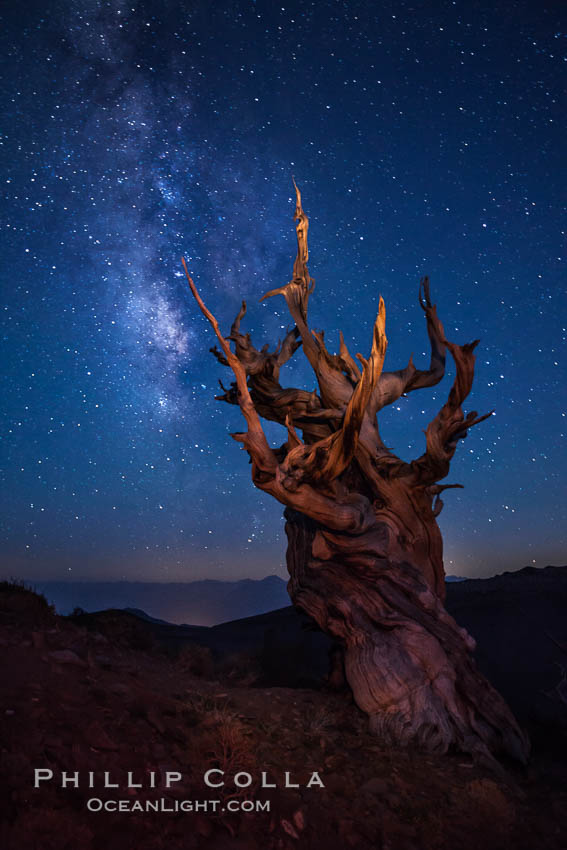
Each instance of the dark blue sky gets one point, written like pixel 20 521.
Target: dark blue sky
pixel 426 138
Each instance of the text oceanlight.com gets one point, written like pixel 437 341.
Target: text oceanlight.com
pixel 163 804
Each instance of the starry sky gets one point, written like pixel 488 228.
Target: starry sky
pixel 427 138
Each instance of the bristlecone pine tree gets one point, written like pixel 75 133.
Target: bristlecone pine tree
pixel 364 548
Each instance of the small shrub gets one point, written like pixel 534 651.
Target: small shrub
pixel 228 746
pixel 19 599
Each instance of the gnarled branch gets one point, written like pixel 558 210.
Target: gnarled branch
pixel 335 388
pixel 450 425
pixel 256 442
pixel 288 482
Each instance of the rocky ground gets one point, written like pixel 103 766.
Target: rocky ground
pixel 102 695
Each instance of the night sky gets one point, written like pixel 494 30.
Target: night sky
pixel 427 138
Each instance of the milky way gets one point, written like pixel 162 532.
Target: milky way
pixel 425 140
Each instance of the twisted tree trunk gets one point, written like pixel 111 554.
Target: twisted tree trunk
pixel 364 548
pixel 409 665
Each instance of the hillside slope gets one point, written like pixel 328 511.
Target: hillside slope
pixel 113 697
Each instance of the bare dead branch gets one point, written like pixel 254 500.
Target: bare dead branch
pixel 344 445
pixel 436 333
pixel 450 425
pixel 256 442
pixel 335 388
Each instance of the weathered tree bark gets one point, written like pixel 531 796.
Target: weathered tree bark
pixel 365 553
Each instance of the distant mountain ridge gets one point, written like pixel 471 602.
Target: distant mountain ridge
pixel 199 603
